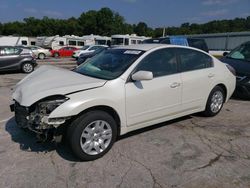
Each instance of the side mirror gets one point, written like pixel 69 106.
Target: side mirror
pixel 142 75
pixel 225 53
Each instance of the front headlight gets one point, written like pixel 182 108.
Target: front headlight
pixel 46 107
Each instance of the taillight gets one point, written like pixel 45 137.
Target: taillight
pixel 32 55
pixel 231 69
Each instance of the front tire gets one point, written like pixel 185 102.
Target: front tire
pixel 27 67
pixel 56 55
pixel 91 135
pixel 215 102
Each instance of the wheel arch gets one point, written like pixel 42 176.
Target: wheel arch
pixel 111 111
pixel 25 61
pixel 41 53
pixel 221 85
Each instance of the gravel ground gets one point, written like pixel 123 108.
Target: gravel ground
pixel 188 152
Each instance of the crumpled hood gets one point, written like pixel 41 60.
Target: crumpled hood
pixel 49 80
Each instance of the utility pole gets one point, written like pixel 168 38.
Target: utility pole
pixel 163 32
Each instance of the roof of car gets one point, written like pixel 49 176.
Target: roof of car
pixel 144 47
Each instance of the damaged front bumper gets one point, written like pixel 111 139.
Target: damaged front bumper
pixel 34 119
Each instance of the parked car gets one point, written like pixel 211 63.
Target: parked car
pixel 16 59
pixel 83 57
pixel 87 49
pixel 39 52
pixel 177 40
pixel 239 59
pixel 63 52
pixel 121 90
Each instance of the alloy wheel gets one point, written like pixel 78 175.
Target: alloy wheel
pixel 96 137
pixel 27 68
pixel 216 101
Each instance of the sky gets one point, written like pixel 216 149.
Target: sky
pixel 156 13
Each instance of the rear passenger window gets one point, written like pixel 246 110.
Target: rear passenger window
pixel 160 63
pixel 193 60
pixel 9 51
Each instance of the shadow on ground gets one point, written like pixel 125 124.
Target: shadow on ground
pixel 11 72
pixel 28 141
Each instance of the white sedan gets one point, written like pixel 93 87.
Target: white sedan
pixel 87 49
pixel 120 90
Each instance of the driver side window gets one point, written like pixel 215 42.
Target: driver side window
pixel 161 62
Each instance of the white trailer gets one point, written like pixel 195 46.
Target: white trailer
pixel 56 42
pixel 97 40
pixel 14 40
pixel 122 40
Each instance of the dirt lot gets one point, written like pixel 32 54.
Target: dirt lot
pixel 188 152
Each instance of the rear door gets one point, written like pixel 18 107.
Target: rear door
pixel 9 57
pixel 198 77
pixel 70 51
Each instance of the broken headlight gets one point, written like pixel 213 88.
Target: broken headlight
pixel 46 107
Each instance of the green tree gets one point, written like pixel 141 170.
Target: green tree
pixel 248 23
pixel 141 29
pixel 158 32
pixel 88 22
pixel 1 28
pixel 107 22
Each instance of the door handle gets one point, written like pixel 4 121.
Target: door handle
pixel 175 85
pixel 211 75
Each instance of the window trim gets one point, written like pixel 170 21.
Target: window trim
pixel 179 60
pixel 129 79
pixel 18 51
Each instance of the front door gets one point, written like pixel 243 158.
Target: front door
pixel 147 101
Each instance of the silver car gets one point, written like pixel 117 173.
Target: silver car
pixel 39 52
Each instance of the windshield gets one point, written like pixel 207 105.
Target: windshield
pixel 84 47
pixel 241 53
pixel 109 64
pixel 99 50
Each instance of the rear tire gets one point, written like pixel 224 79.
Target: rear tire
pixel 91 135
pixel 215 102
pixel 41 56
pixel 27 67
